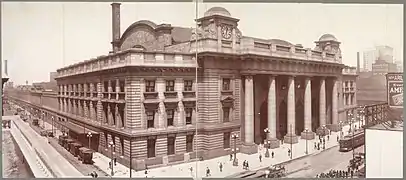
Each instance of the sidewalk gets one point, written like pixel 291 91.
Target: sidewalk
pixel 183 170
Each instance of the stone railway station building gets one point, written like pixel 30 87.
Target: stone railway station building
pixel 143 96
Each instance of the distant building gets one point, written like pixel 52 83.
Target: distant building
pixel 381 67
pixel 399 65
pixel 383 53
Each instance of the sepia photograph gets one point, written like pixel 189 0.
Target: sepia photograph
pixel 202 90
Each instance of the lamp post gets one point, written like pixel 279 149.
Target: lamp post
pixel 43 120
pixel 361 120
pixel 267 143
pixel 341 129
pixel 52 127
pixel 89 136
pixel 307 151
pixel 235 160
pixel 111 146
pixel 324 136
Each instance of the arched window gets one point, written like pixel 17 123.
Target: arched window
pixel 139 47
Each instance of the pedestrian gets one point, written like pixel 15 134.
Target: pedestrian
pixel 288 152
pixel 281 141
pixel 337 138
pixel 115 161
pixel 221 167
pixel 272 154
pixel 91 174
pixel 191 170
pixel 315 145
pixel 247 166
pixel 352 173
pixel 260 157
pixel 95 174
pixel 231 157
pixel 207 172
pixel 244 164
pixel 110 165
pixel 328 137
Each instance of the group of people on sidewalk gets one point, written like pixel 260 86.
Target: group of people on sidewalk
pixel 336 174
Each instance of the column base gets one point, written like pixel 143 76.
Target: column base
pixel 334 127
pixel 307 135
pixel 322 132
pixel 273 143
pixel 291 139
pixel 249 148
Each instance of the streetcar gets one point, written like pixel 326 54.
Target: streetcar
pixel 352 141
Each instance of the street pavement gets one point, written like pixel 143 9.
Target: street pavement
pixel 330 159
pixel 184 169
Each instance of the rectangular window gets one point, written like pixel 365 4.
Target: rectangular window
pixel 106 86
pixel 226 84
pixel 169 117
pixel 188 85
pixel 150 86
pixel 226 140
pixel 151 148
pixel 171 145
pixel 150 119
pixel 226 114
pixel 189 143
pixel 170 86
pixel 188 113
pixel 122 85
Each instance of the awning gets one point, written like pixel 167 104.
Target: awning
pixel 79 129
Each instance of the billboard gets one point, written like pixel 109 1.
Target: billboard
pixel 394 83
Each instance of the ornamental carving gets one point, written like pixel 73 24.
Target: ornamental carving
pixel 208 31
pixel 140 37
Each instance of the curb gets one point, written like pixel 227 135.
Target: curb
pixel 254 171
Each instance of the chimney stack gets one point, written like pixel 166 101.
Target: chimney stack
pixel 5 67
pixel 115 7
pixel 358 63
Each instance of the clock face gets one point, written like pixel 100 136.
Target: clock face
pixel 226 31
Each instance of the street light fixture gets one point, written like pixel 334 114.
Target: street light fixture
pixel 341 129
pixel 89 135
pixel 52 118
pixel 235 160
pixel 307 151
pixel 267 143
pixel 111 146
pixel 43 120
pixel 324 136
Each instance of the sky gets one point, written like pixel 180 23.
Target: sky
pixel 38 38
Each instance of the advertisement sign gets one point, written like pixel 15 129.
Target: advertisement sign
pixel 395 89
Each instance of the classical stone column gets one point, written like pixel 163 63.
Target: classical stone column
pixel 274 142
pixel 161 96
pixel 334 111
pixel 248 146
pixel 117 88
pixel 91 114
pixel 291 137
pixel 109 89
pixel 307 110
pixel 322 104
pixel 348 99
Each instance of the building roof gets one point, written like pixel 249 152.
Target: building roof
pixel 217 11
pixel 328 37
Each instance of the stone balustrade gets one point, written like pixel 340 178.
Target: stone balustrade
pixel 262 47
pixel 349 71
pixel 130 57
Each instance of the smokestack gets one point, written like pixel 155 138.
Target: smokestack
pixel 5 67
pixel 115 10
pixel 358 63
